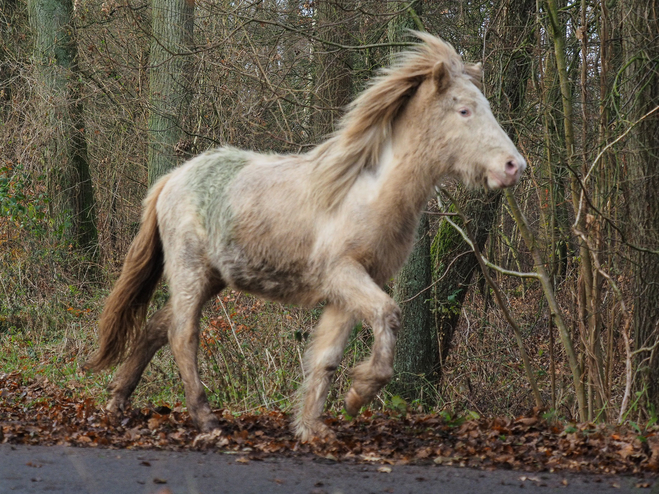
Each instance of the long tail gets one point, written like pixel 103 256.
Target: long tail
pixel 126 307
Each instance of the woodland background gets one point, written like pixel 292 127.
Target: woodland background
pixel 98 98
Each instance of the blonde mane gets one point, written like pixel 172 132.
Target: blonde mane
pixel 364 129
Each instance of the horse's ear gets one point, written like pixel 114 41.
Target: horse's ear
pixel 441 76
pixel 475 73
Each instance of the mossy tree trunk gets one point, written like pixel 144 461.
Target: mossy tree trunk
pixel 170 88
pixel 416 357
pixel 66 163
pixel 454 265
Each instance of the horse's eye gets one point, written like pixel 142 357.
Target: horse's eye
pixel 465 112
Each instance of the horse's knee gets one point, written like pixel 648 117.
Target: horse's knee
pixel 324 359
pixel 372 374
pixel 392 318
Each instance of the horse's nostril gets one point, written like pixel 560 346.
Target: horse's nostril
pixel 511 167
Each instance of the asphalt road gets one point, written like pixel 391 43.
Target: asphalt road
pixel 89 470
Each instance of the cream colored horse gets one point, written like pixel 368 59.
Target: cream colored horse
pixel 331 225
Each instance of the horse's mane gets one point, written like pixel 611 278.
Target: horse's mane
pixel 364 129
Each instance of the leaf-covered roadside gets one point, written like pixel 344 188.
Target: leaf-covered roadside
pixel 39 412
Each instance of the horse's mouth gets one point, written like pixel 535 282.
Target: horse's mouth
pixel 494 181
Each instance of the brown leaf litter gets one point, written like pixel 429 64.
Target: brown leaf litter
pixel 39 412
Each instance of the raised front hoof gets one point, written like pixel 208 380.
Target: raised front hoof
pixel 354 402
pixel 312 431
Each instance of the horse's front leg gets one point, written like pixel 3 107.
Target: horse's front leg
pixel 359 294
pixel 321 360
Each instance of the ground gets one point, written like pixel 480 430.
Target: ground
pixel 36 413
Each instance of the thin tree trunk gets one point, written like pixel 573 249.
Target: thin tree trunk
pixel 585 289
pixel 69 180
pixel 642 50
pixel 169 83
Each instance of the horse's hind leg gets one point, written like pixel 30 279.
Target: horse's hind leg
pixel 359 294
pixel 321 360
pixel 129 373
pixel 190 288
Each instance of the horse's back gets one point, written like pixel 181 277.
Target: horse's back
pixel 251 216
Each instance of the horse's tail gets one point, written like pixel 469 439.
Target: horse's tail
pixel 126 307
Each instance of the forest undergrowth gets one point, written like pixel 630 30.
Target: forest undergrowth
pixel 251 350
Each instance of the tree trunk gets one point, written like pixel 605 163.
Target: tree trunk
pixel 333 68
pixel 416 357
pixel 169 83
pixel 454 264
pixel 69 180
pixel 449 249
pixel 642 50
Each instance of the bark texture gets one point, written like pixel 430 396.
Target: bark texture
pixel 169 83
pixel 417 354
pixel 642 36
pixel 65 160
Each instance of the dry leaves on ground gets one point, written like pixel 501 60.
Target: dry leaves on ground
pixel 38 412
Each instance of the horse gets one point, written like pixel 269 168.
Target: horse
pixel 331 225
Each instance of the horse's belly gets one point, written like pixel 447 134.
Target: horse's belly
pixel 287 281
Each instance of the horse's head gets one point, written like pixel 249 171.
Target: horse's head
pixel 430 103
pixel 461 136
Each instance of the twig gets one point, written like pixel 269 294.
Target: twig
pixel 502 305
pixel 233 329
pixel 437 280
pixel 489 264
pixel 583 196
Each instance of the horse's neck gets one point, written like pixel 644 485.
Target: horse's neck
pixel 406 180
pixel 394 199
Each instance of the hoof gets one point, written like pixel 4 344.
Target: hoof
pixel 116 406
pixel 354 402
pixel 316 430
pixel 208 423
